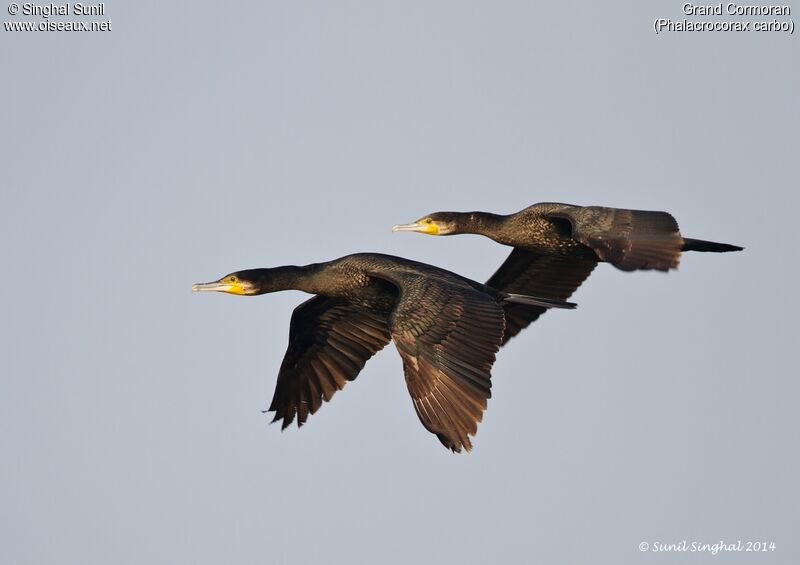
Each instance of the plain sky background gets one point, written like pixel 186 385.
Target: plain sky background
pixel 198 138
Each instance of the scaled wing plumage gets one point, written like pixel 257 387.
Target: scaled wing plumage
pixel 628 239
pixel 447 335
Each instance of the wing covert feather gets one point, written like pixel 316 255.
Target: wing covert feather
pixel 628 239
pixel 447 335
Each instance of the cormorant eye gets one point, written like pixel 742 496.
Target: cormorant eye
pixel 233 279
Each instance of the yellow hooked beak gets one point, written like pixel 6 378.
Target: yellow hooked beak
pixel 231 285
pixel 425 225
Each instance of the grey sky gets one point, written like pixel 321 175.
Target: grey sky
pixel 199 138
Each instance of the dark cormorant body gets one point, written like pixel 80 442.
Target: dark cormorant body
pixel 447 329
pixel 556 247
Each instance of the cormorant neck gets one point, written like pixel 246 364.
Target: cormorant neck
pixel 481 223
pixel 289 277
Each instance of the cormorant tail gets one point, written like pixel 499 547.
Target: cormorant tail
pixel 534 301
pixel 712 246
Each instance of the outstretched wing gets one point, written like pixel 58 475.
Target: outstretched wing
pixel 330 340
pixel 447 335
pixel 628 239
pixel 534 274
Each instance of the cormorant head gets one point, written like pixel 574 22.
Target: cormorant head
pixel 438 223
pixel 240 282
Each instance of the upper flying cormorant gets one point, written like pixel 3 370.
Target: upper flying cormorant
pixel 556 246
pixel 447 329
